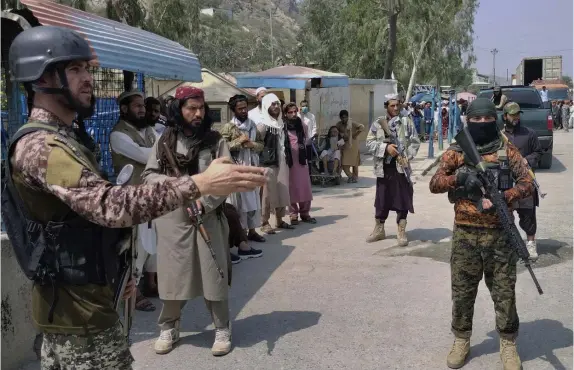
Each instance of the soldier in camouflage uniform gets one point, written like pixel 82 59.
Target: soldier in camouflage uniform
pixel 479 243
pixel 57 178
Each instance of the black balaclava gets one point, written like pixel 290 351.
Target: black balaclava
pixel 483 132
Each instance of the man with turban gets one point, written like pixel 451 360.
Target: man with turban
pixel 276 195
pixel 188 266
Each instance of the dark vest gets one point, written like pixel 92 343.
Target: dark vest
pixel 59 246
pixel 119 160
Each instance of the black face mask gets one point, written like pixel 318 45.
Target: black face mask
pixel 483 132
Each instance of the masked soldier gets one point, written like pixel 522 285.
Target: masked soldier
pixel 57 205
pixel 479 243
pixel 526 141
pixel 498 98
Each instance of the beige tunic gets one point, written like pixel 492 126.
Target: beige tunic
pixel 351 151
pixel 185 266
pixel 276 191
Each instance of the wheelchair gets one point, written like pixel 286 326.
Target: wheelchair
pixel 319 175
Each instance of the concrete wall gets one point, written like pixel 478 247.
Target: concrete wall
pixel 361 110
pixel 18 332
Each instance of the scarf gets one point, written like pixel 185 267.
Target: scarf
pixel 186 163
pixel 295 125
pixel 482 149
pixel 246 156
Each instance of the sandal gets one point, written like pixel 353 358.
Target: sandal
pixel 309 220
pixel 150 291
pixel 285 225
pixel 294 221
pixel 267 229
pixel 143 304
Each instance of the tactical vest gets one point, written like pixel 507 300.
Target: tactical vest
pixel 500 171
pixel 120 160
pixel 53 244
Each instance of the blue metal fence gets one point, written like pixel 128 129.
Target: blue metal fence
pixel 108 84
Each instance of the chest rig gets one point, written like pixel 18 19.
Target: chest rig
pixel 500 170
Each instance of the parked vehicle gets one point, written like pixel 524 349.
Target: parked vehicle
pixel 535 116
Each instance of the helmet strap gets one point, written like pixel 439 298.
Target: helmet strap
pixel 65 91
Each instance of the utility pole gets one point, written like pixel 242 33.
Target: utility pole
pixel 494 52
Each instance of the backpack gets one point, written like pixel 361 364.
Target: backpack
pixel 28 237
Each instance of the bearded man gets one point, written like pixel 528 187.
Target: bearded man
pixel 256 114
pixel 394 190
pixel 526 141
pixel 275 196
pixel 189 266
pixel 245 144
pixel 131 141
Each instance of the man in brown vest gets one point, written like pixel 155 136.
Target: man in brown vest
pixel 131 141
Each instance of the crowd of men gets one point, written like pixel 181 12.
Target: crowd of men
pixel 207 191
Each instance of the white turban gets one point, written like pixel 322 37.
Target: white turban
pixel 276 125
pixel 391 97
pixel 260 89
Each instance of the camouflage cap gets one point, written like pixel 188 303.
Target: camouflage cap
pixel 512 108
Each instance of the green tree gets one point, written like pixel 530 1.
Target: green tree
pixel 567 80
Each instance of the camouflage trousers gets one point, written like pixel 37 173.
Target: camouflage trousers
pixel 477 251
pixel 106 350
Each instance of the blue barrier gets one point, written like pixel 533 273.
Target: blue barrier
pixel 99 126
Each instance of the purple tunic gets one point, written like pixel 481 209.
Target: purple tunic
pixel 299 180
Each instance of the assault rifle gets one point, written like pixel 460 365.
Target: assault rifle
pixel 130 259
pixel 530 172
pixel 193 213
pixel 402 158
pixel 490 191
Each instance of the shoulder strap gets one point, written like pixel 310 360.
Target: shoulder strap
pixel 27 129
pixel 24 130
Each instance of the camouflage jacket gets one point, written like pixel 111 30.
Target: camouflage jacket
pixel 465 210
pixel 43 163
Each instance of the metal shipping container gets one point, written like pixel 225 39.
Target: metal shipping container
pixel 534 68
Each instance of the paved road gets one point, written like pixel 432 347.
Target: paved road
pixel 321 298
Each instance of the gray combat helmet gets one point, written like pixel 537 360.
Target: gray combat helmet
pixel 33 50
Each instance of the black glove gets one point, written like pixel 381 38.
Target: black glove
pixel 472 185
pixel 461 178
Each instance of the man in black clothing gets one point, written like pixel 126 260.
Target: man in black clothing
pixel 527 143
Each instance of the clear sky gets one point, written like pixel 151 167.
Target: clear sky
pixel 522 28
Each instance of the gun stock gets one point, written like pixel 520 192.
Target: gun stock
pixel 124 176
pixel 490 191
